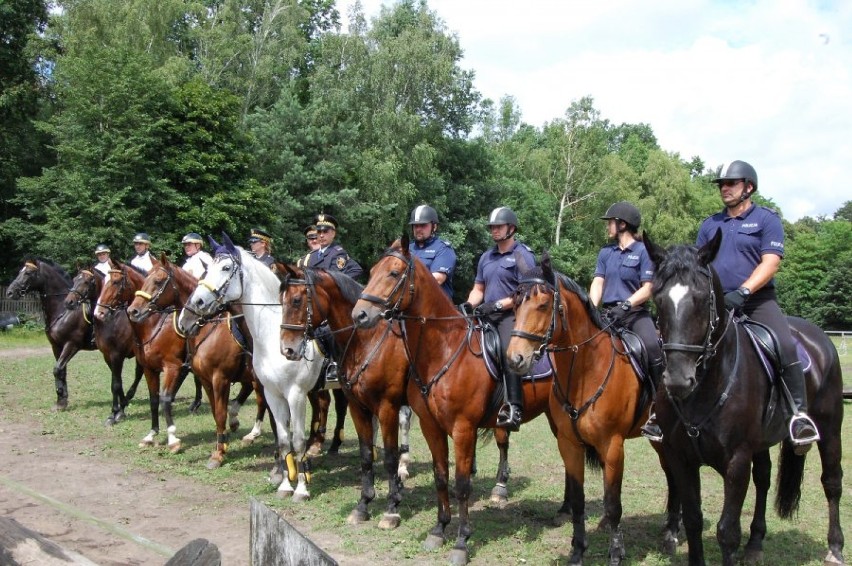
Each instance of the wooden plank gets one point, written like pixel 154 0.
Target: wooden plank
pixel 20 546
pixel 275 542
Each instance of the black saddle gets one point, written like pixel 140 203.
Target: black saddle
pixel 492 354
pixel 766 344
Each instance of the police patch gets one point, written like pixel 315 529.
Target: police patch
pixel 341 262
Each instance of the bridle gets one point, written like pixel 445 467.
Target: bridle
pixel 307 328
pixel 117 305
pixel 220 292
pixel 31 269
pixel 153 305
pixel 88 282
pixel 557 313
pixel 394 309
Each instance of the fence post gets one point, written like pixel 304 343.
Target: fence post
pixel 275 542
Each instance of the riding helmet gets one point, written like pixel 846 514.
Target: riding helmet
pixel 502 215
pixel 424 214
pixel 141 238
pixel 192 238
pixel 736 170
pixel 624 211
pixel 101 249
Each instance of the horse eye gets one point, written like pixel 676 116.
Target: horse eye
pixel 226 267
pixel 393 273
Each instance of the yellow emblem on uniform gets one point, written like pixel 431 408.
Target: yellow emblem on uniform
pixel 341 263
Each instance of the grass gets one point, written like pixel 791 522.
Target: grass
pixel 522 533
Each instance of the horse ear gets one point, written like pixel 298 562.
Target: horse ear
pixel 213 243
pixel 547 268
pixel 164 259
pixel 656 253
pixel 228 244
pixel 707 252
pixel 404 242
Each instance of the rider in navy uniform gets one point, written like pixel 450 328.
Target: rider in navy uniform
pixel 436 254
pixel 330 255
pixel 497 276
pixel 749 256
pixel 311 242
pixel 260 243
pixel 622 283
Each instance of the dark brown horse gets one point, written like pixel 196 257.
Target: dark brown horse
pixel 719 407
pixel 217 358
pixel 597 401
pixel 160 349
pixel 68 331
pixel 113 336
pixel 449 387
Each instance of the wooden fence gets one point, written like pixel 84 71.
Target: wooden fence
pixel 28 307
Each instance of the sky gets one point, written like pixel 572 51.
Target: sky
pixel 765 81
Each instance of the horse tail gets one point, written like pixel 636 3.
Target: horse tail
pixel 485 435
pixel 593 459
pixel 791 470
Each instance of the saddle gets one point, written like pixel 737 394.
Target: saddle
pixel 636 353
pixel 766 345
pixel 492 354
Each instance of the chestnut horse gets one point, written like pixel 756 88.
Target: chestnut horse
pixel 719 407
pixel 597 401
pixel 113 336
pixel 449 386
pixel 217 359
pixel 68 331
pixel 159 347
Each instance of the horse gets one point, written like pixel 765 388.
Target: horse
pixel 235 276
pixel 113 337
pixel 68 331
pixel 217 358
pixel 597 401
pixel 159 347
pixel 719 407
pixel 449 388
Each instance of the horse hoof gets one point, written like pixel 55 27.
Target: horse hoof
pixel 669 546
pixel 119 416
pixel 300 497
pixel 250 438
pixel 561 519
pixel 60 406
pixel 753 556
pixel 314 450
pixel 175 448
pixel 833 559
pixel 403 474
pixel 390 521
pixel 433 542
pixel 357 518
pixel 458 557
pixel 194 407
pixel 500 496
pixel 110 421
pixel 234 425
pixel 213 464
pixel 335 446
pixel 284 493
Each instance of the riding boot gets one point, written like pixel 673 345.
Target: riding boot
pixel 651 430
pixel 803 431
pixel 509 416
pixel 326 341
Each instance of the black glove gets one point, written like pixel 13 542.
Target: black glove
pixel 619 312
pixel 736 299
pixel 465 308
pixel 488 308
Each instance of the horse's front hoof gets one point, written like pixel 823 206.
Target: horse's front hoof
pixel 669 545
pixel 561 519
pixel 433 542
pixel 215 461
pixel 335 446
pixel 315 450
pixel 147 443
pixel 60 405
pixel 175 447
pixel 458 557
pixel 284 493
pixel 403 472
pixel 250 438
pixel 500 496
pixel 753 556
pixel 234 425
pixel 357 517
pixel 833 558
pixel 390 521
pixel 110 421
pixel 194 407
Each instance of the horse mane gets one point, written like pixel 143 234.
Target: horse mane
pixel 349 288
pixel 50 263
pixel 538 273
pixel 681 262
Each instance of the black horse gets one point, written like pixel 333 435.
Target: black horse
pixel 719 408
pixel 113 336
pixel 68 331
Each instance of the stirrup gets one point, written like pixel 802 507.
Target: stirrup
pixel 331 373
pixel 803 433
pixel 509 417
pixel 651 430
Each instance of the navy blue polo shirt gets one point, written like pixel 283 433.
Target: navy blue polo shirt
pixel 745 239
pixel 500 273
pixel 623 270
pixel 439 257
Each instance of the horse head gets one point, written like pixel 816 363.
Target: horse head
pixel 390 289
pixel 29 278
pixel 690 310
pixel 158 291
pixel 84 288
pixel 298 321
pixel 222 284
pixel 116 291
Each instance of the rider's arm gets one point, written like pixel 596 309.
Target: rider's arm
pixel 642 294
pixel 476 294
pixel 596 291
pixel 763 273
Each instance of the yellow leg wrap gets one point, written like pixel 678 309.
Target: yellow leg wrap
pixel 290 461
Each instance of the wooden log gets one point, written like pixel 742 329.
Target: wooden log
pixel 20 546
pixel 198 552
pixel 275 542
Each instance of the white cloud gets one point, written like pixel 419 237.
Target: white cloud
pixel 767 81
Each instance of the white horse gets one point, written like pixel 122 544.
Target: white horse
pixel 235 276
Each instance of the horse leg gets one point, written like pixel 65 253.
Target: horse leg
pixel 728 529
pixel 672 525
pixel 60 382
pixel 217 392
pixel 439 447
pixel 832 485
pixel 276 474
pixel 170 387
pixel 116 365
pixel 761 473
pixel 613 474
pixel 500 493
pixel 404 443
pixel 389 417
pixel 297 399
pixel 152 378
pixel 137 377
pixel 235 405
pixel 572 459
pixel 320 402
pixel 341 403
pixel 280 412
pixel 363 420
pixel 254 434
pixel 464 445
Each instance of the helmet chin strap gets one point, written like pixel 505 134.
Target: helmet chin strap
pixel 509 233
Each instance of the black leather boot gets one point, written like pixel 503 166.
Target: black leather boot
pixel 803 431
pixel 509 416
pixel 651 430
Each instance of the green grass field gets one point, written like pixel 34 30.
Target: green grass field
pixel 522 533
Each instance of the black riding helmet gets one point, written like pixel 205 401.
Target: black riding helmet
pixel 736 170
pixel 424 214
pixel 502 215
pixel 624 211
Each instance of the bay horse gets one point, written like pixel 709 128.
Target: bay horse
pixel 113 337
pixel 160 349
pixel 449 388
pixel 235 276
pixel 597 401
pixel 719 407
pixel 67 330
pixel 217 359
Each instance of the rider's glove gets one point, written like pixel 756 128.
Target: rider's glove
pixel 736 299
pixel 618 313
pixel 465 308
pixel 488 308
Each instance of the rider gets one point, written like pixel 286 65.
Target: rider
pixel 102 253
pixel 622 282
pixel 260 243
pixel 311 242
pixel 749 256
pixel 497 276
pixel 436 254
pixel 197 259
pixel 142 259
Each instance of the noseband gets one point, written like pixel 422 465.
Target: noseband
pixel 557 312
pixel 393 309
